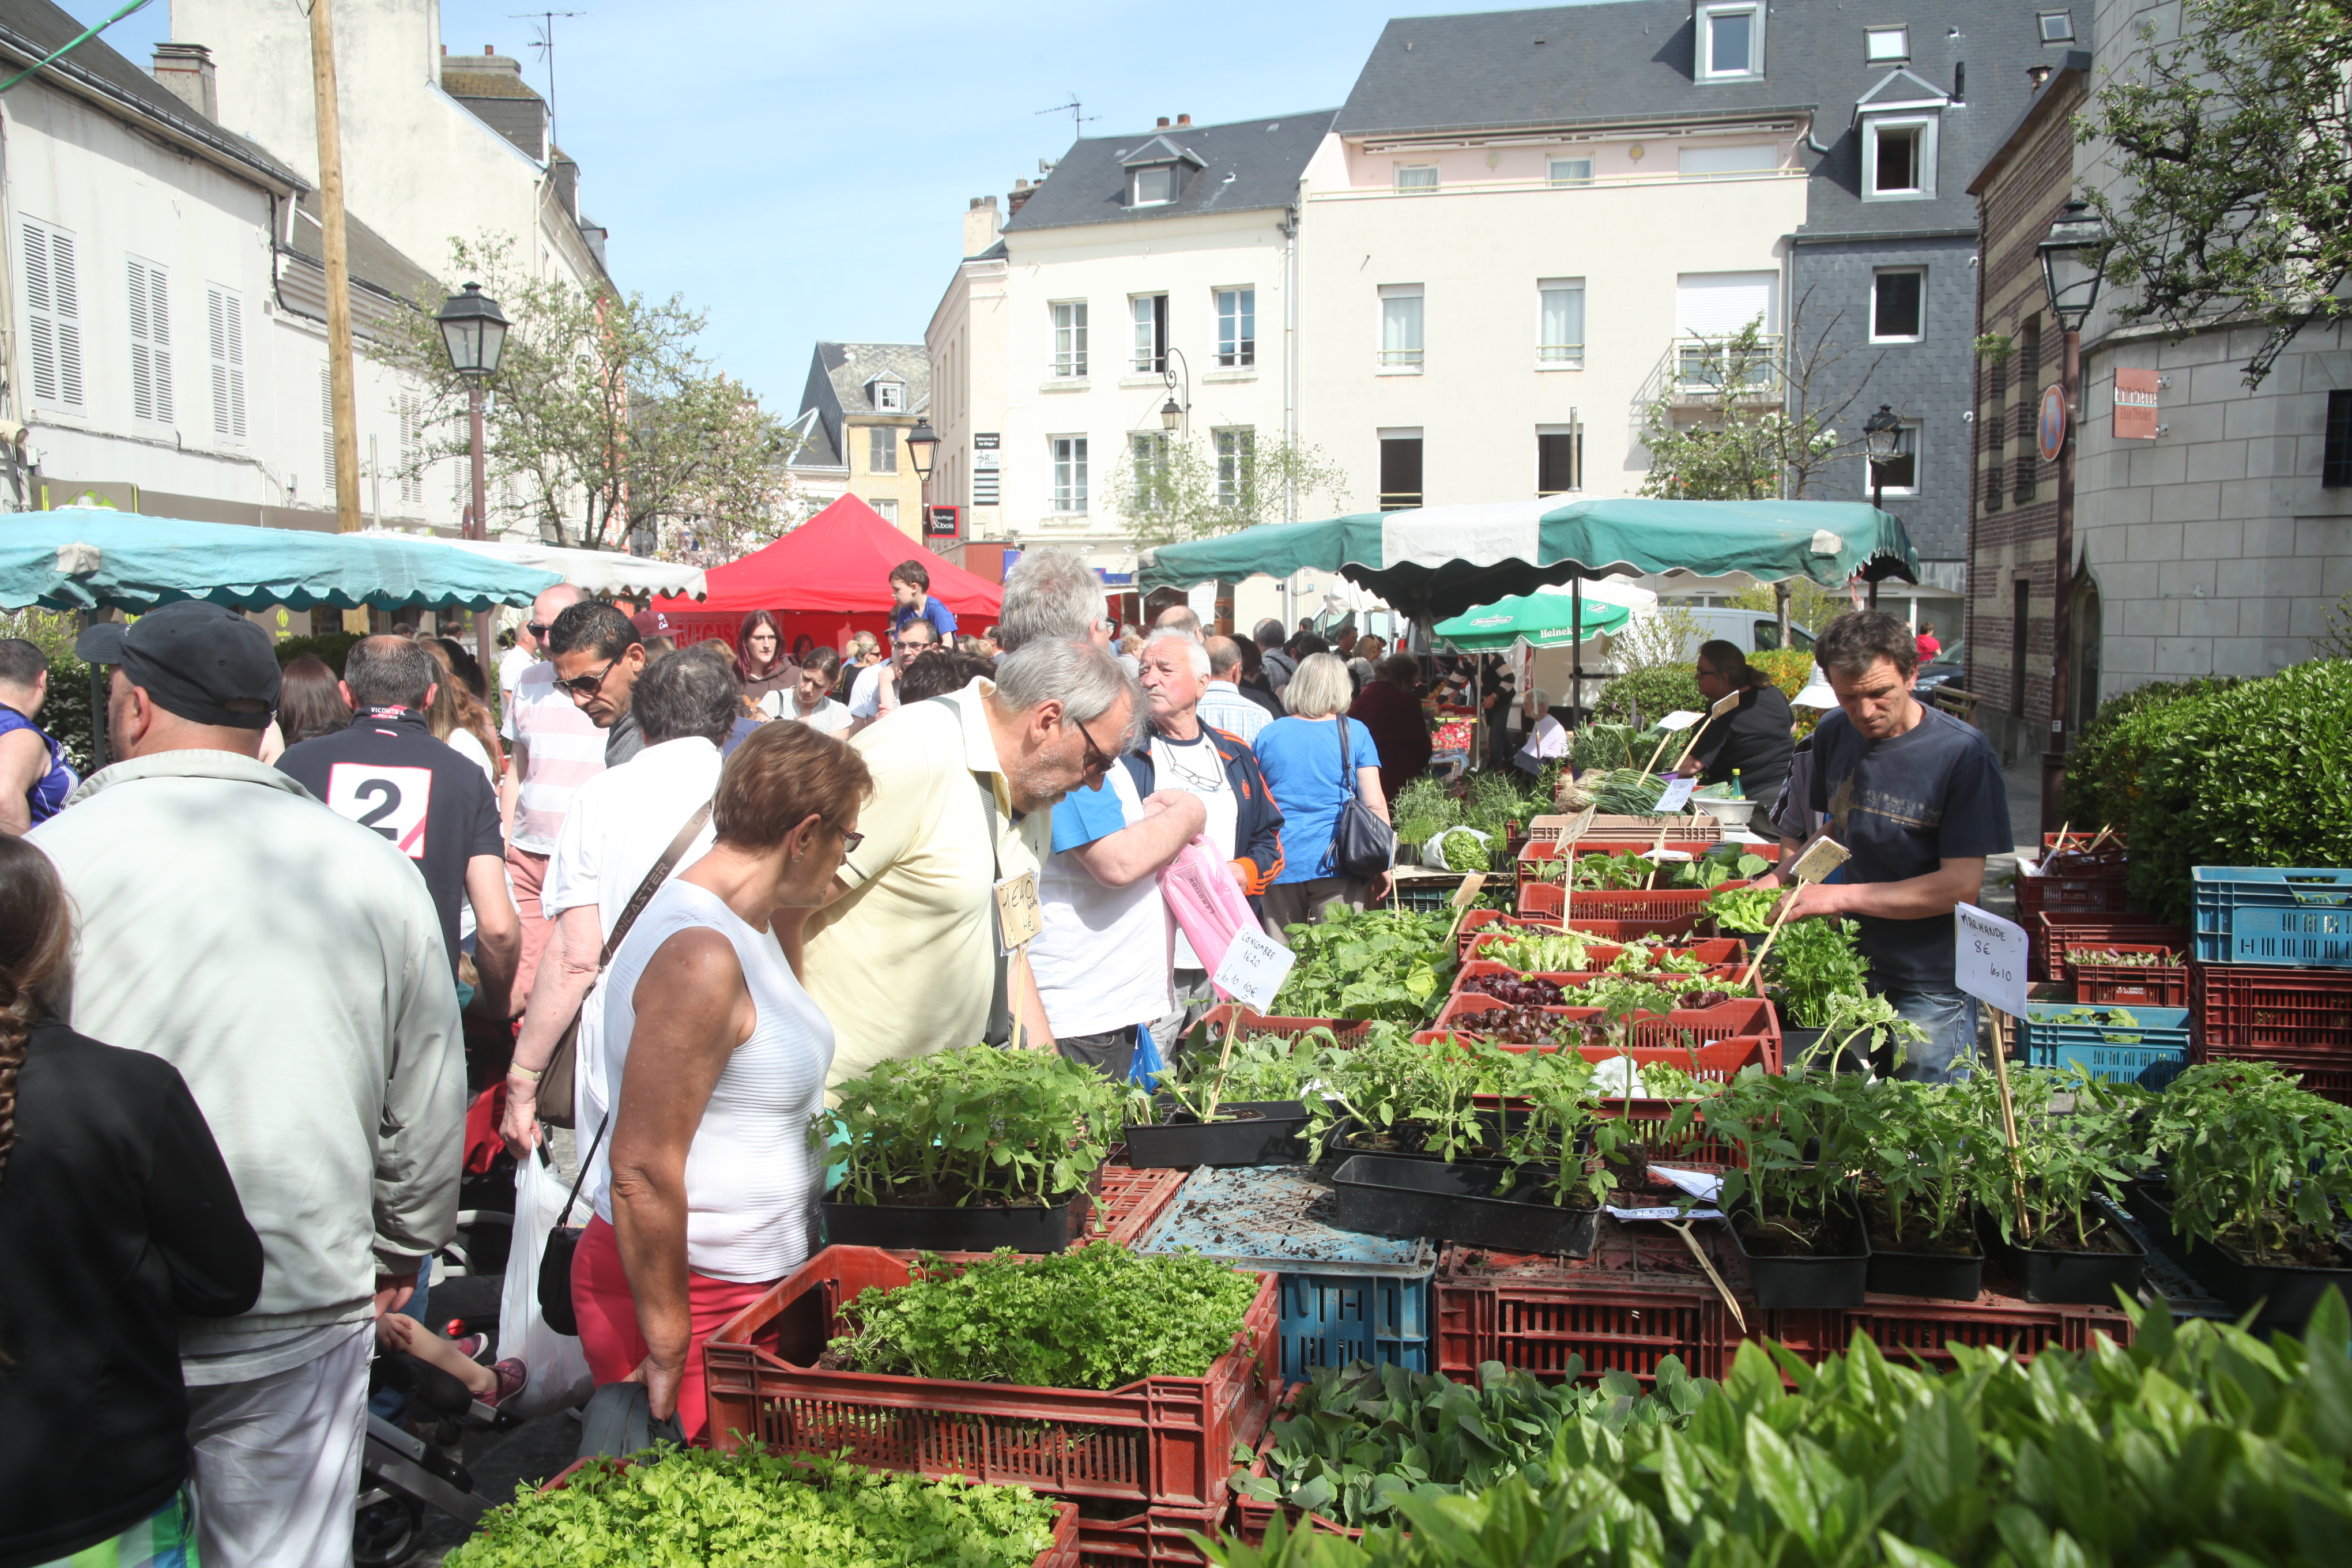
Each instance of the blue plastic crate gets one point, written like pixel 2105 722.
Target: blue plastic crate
pixel 2273 914
pixel 2151 1053
pixel 1346 1296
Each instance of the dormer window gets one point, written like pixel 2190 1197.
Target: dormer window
pixel 887 394
pixel 2057 26
pixel 1900 120
pixel 1730 41
pixel 1155 187
pixel 1157 171
pixel 1886 46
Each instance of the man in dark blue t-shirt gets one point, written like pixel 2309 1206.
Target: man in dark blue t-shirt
pixel 387 773
pixel 1918 798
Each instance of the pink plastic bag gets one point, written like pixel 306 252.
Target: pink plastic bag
pixel 1200 890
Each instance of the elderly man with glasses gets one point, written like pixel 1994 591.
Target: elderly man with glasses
pixel 905 957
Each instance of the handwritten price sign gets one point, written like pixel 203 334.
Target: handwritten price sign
pixel 1677 795
pixel 1988 958
pixel 1254 969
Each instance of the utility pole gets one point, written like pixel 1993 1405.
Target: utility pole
pixel 339 279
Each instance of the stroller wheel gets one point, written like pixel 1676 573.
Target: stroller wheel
pixel 384 1532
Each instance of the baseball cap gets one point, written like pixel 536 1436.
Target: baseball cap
pixel 202 661
pixel 654 624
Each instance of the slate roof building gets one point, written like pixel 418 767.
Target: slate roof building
pixel 857 407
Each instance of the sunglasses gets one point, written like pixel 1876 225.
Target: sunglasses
pixel 538 628
pixel 849 841
pixel 587 685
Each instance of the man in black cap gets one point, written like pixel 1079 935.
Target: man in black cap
pixel 290 965
pixel 386 772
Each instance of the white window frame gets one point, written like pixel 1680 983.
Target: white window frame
pixel 224 318
pixel 1068 456
pixel 886 508
pixel 889 396
pixel 1147 329
pixel 1404 359
pixel 1919 272
pixel 150 322
pixel 880 438
pixel 1069 358
pixel 1147 456
pixel 1872 53
pixel 1416 184
pixel 1236 327
pixel 2065 35
pixel 1704 45
pixel 1236 449
pixel 1908 435
pixel 1875 126
pixel 1562 355
pixel 1552 170
pixel 1137 197
pixel 52 275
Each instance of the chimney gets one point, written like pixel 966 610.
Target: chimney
pixel 2040 75
pixel 489 49
pixel 1184 119
pixel 1022 191
pixel 186 69
pixel 980 225
pixel 1163 122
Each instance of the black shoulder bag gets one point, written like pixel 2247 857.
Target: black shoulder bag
pixel 1361 844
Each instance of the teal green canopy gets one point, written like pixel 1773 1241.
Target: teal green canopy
pixel 1440 561
pixel 82 558
pixel 1546 620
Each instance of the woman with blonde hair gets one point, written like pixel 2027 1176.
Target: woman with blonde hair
pixel 458 719
pixel 1310 775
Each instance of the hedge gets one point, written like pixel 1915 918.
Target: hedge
pixel 2103 771
pixel 1792 670
pixel 1659 689
pixel 66 712
pixel 328 646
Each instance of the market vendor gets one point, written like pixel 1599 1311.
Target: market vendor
pixel 1754 738
pixel 1918 797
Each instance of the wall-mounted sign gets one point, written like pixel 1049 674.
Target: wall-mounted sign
pixel 2050 430
pixel 943 522
pixel 2134 406
pixel 984 447
pixel 985 441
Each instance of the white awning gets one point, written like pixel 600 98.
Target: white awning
pixel 597 571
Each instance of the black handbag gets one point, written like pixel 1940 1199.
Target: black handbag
pixel 562 1241
pixel 1361 844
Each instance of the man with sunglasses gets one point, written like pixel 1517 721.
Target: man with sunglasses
pixel 598 656
pixel 552 749
pixel 875 690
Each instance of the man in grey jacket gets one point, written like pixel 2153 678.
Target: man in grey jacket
pixel 289 963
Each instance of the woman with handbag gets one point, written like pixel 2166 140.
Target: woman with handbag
pixel 717 1060
pixel 1324 770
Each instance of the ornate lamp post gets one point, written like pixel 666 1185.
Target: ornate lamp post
pixel 2074 260
pixel 474 332
pixel 922 447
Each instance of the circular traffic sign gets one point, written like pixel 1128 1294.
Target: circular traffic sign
pixel 2050 430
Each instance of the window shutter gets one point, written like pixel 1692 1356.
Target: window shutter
pixel 224 313
pixel 327 419
pixel 412 442
pixel 143 370
pixel 53 306
pixel 150 342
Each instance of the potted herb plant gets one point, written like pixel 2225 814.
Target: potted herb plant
pixel 967 1150
pixel 1791 1203
pixel 1814 962
pixel 2061 1236
pixel 1244 1109
pixel 2257 1173
pixel 1917 1190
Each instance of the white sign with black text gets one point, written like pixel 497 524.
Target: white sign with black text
pixel 1677 794
pixel 1252 970
pixel 1988 958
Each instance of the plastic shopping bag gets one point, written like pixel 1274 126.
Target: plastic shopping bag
pixel 559 1368
pixel 1200 889
pixel 1433 852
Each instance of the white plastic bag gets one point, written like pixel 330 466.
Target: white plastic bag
pixel 558 1366
pixel 1433 854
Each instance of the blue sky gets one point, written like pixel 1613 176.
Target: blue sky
pixel 800 172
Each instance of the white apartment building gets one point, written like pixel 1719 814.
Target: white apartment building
pixel 1149 270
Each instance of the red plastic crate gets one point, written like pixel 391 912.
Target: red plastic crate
pixel 1133 1201
pixel 2052 934
pixel 1249 1518
pixel 1670 912
pixel 1157 1535
pixel 1061 1553
pixel 1903 1327
pixel 1746 1022
pixel 1531 1312
pixel 1233 1015
pixel 1681 831
pixel 1163 1441
pixel 2261 1008
pixel 2127 984
pixel 1599 954
pixel 1720 970
pixel 2327 1074
pixel 1476 923
pixel 2079 895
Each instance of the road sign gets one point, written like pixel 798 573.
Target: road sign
pixel 2050 431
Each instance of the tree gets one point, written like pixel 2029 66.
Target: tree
pixel 2237 195
pixel 602 418
pixel 1170 490
pixel 714 485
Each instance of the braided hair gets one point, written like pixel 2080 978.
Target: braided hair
pixel 35 939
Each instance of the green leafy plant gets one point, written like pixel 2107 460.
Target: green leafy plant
pixel 1804 1138
pixel 975 1126
pixel 1923 1165
pixel 2104 769
pixel 2253 1161
pixel 2079 1139
pixel 1098 1318
pixel 1866 1025
pixel 1547 953
pixel 1396 965
pixel 1356 1439
pixel 1746 909
pixel 1422 810
pixel 1466 851
pixel 685 1507
pixel 2200 1445
pixel 1813 962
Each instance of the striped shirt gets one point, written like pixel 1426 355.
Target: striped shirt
pixel 562 750
pixel 1223 707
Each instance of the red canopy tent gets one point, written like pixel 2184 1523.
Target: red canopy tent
pixel 826 578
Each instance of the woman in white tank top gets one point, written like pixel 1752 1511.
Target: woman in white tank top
pixel 720 1056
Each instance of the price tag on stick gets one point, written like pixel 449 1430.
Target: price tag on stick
pixel 1252 970
pixel 1677 794
pixel 1988 958
pixel 1678 720
pixel 1018 918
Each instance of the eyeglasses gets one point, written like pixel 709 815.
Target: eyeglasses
pixel 849 841
pixel 1098 760
pixel 588 685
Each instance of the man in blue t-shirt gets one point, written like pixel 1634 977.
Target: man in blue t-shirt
pixel 34 777
pixel 910 599
pixel 1918 798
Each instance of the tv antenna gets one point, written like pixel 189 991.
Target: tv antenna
pixel 1075 111
pixel 543 24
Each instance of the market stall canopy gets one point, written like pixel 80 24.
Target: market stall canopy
pixel 82 558
pixel 604 572
pixel 838 560
pixel 1440 561
pixel 1544 619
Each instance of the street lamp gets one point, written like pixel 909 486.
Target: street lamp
pixel 1170 416
pixel 922 445
pixel 2073 259
pixel 474 332
pixel 1179 394
pixel 1882 435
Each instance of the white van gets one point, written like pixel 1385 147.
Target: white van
pixel 1751 631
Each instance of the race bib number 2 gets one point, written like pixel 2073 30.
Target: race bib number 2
pixel 391 801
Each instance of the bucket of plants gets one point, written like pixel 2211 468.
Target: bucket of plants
pixel 968 1151
pixel 1802 1254
pixel 2257 1175
pixel 1482 1203
pixel 1246 1132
